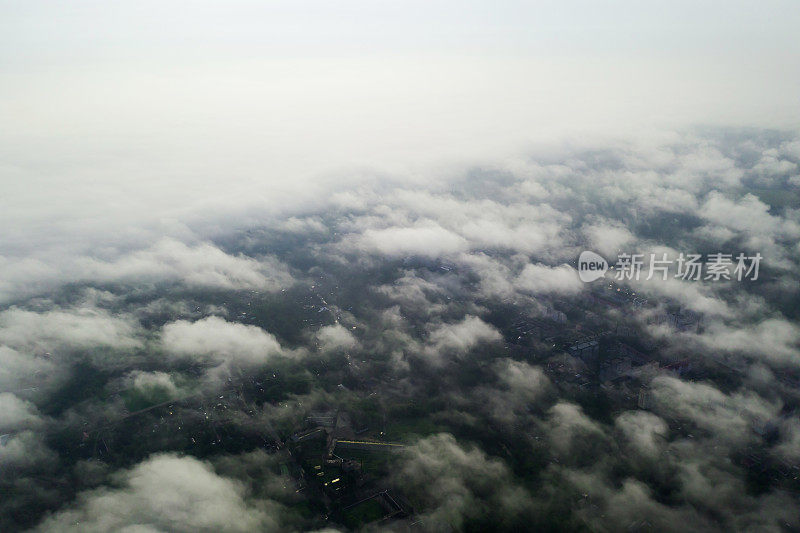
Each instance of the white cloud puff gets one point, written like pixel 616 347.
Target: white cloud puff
pixel 335 337
pixel 70 328
pixel 462 336
pixel 219 340
pixel 201 265
pixel 425 239
pixel 542 279
pixel 166 493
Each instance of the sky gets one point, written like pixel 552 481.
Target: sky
pixel 124 115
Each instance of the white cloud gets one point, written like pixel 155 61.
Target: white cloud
pixel 543 279
pixel 148 382
pixel 772 164
pixel 168 260
pixel 748 215
pixel 728 418
pixel 166 493
pixel 304 225
pixel 461 336
pixel 25 449
pixel 453 483
pixel 23 443
pixel 528 381
pixel 22 369
pixel 69 328
pixel 16 414
pixel 221 341
pixel 567 424
pixel 496 279
pixel 424 239
pixel 520 386
pixel 645 431
pixel 774 339
pixel 335 337
pixel 202 265
pixel 609 238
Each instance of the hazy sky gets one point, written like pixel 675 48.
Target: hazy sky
pixel 115 111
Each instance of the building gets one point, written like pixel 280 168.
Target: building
pixel 645 399
pixel 586 350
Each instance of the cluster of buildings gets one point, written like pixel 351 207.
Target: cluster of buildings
pixel 341 468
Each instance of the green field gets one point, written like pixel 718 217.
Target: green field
pixel 363 513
